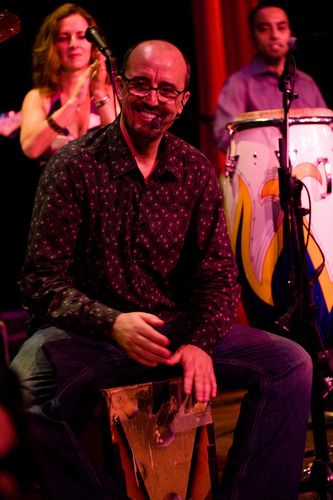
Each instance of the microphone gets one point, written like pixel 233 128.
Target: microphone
pixel 158 122
pixel 315 40
pixel 93 36
pixel 293 43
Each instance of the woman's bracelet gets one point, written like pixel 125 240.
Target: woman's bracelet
pixel 56 127
pixel 103 101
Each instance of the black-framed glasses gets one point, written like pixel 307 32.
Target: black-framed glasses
pixel 141 88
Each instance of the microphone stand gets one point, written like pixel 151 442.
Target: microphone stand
pixel 93 36
pixel 111 73
pixel 303 308
pixel 110 70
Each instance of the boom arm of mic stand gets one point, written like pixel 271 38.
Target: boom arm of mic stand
pixel 286 198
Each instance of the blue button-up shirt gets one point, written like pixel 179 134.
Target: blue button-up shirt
pixel 256 87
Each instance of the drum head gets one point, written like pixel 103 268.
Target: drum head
pixel 273 117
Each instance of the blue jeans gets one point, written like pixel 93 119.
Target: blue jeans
pixel 265 460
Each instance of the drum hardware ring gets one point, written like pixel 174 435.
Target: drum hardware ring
pixel 230 166
pixel 326 168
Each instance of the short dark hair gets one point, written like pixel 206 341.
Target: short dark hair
pixel 130 50
pixel 262 5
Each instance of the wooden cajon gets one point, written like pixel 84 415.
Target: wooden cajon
pixel 162 446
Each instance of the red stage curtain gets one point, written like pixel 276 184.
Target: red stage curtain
pixel 222 46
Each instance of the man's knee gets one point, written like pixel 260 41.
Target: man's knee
pixel 299 377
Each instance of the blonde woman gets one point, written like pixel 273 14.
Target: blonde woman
pixel 72 90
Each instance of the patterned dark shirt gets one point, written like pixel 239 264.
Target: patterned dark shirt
pixel 103 241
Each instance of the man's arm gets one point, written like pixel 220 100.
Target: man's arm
pixel 48 282
pixel 48 276
pixel 214 293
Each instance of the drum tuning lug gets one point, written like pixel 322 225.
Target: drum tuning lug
pixel 230 166
pixel 325 169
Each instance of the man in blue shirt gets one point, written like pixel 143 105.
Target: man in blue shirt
pixel 256 85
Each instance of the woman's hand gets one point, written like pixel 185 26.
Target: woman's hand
pixel 81 90
pixel 98 79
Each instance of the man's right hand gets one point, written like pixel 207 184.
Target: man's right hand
pixel 134 332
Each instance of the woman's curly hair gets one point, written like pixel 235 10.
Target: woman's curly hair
pixel 46 64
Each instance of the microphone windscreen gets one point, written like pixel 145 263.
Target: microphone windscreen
pixel 156 122
pixel 292 43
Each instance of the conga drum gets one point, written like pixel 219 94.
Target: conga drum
pixel 251 196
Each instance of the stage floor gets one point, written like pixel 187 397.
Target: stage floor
pixel 225 409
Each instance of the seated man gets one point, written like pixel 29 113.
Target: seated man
pixel 129 276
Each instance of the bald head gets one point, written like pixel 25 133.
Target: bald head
pixel 150 50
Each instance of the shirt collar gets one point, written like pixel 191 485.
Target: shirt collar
pixel 258 67
pixel 120 158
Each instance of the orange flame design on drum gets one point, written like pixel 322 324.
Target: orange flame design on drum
pixel 262 285
pixel 261 282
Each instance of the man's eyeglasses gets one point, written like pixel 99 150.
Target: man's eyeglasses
pixel 142 88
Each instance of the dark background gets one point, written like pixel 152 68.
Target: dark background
pixel 123 23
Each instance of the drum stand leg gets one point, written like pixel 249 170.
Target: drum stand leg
pixel 302 312
pixel 321 475
pixel 300 286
